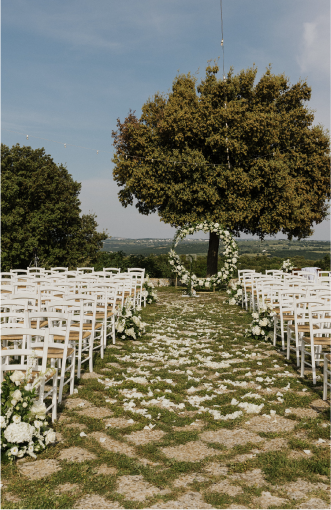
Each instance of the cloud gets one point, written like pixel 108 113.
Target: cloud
pixel 103 26
pixel 315 47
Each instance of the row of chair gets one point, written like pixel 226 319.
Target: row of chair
pixel 63 323
pixel 302 314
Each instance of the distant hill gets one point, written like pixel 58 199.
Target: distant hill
pixel 312 250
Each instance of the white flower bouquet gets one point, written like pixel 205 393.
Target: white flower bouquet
pixel 24 428
pixel 287 266
pixel 235 292
pixel 262 327
pixel 150 292
pixel 129 325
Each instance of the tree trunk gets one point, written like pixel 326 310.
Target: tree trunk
pixel 212 257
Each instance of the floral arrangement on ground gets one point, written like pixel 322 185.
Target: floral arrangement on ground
pixel 129 324
pixel 230 252
pixel 149 292
pixel 262 327
pixel 24 428
pixel 235 292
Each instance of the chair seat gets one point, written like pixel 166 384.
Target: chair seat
pixel 54 353
pixel 100 315
pixel 12 337
pixel 88 327
pixel 302 328
pixel 318 340
pixel 73 336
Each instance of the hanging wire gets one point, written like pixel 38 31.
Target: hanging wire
pixel 222 41
pixel 224 80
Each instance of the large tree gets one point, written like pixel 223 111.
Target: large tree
pixel 173 159
pixel 41 211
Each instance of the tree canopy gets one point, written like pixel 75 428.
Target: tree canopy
pixel 41 210
pixel 173 159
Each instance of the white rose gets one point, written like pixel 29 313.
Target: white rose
pixel 2 421
pixel 17 395
pixel 38 408
pixel 50 436
pixel 171 262
pixel 17 377
pixel 232 301
pixel 37 424
pixel 14 402
pixel 14 450
pixel 16 418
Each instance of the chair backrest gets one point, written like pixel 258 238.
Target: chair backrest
pixel 36 270
pixel 274 272
pixel 20 357
pixel 322 273
pixel 113 270
pixel 15 318
pixel 19 271
pixel 136 270
pixel 324 280
pixel 319 320
pixel 59 269
pixel 85 270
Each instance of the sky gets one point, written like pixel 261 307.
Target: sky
pixel 70 68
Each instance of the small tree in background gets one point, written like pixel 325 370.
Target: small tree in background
pixel 278 180
pixel 41 210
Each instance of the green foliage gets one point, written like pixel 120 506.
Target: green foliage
pixel 41 210
pixel 324 263
pixel 156 266
pixel 285 191
pixel 261 263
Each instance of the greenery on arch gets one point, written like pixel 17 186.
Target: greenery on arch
pixel 230 252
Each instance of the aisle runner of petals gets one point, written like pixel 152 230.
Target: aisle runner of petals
pixel 193 415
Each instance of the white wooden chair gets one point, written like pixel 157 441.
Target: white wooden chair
pixel 319 337
pixel 300 325
pixel 326 375
pixel 18 358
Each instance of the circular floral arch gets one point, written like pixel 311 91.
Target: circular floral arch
pixel 230 252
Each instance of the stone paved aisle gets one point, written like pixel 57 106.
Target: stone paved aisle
pixel 194 415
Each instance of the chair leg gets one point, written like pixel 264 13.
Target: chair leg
pixel 325 379
pixel 313 363
pixel 101 342
pixel 288 340
pixel 72 370
pixel 302 373
pixel 54 396
pixel 79 359
pixel 91 355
